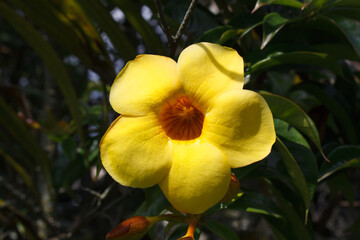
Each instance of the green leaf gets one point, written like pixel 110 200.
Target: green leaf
pixel 288 132
pixel 289 3
pixel 334 107
pixel 340 51
pixel 277 230
pixel 245 171
pixel 347 12
pixel 227 35
pixel 281 81
pixel 340 158
pixel 221 230
pixel 297 177
pixel 213 35
pixel 99 166
pixel 286 110
pixel 294 225
pixel 350 29
pixel 345 3
pixel 133 15
pixel 318 4
pixel 155 202
pixel 341 183
pixel 256 203
pixel 119 39
pixel 272 24
pixel 50 58
pixel 249 29
pixel 302 58
pixel 307 162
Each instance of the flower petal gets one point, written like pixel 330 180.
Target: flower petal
pixel 144 83
pixel 207 70
pixel 136 152
pixel 241 125
pixel 199 177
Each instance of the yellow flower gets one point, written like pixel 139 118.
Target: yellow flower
pixel 184 125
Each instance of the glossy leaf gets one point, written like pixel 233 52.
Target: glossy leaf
pixel 256 203
pixel 50 58
pixel 288 132
pixel 297 227
pixel 318 3
pixel 340 158
pixel 221 230
pixel 341 51
pixel 347 12
pixel 297 177
pixel 345 3
pixel 229 34
pixel 302 58
pixel 289 3
pixel 341 183
pixel 155 202
pixel 272 24
pixel 214 35
pixel 276 229
pixel 307 163
pixel 350 29
pixel 249 29
pixel 334 107
pixel 286 110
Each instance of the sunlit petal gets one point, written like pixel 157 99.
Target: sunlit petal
pixel 241 125
pixel 135 151
pixel 207 70
pixel 143 84
pixel 199 177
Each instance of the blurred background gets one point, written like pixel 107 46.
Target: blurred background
pixel 58 59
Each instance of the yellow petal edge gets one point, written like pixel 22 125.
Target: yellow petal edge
pixel 135 151
pixel 241 125
pixel 143 84
pixel 207 70
pixel 198 179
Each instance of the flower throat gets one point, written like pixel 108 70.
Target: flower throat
pixel 182 120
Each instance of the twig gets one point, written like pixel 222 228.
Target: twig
pixel 185 20
pixel 163 23
pixel 174 40
pixel 98 197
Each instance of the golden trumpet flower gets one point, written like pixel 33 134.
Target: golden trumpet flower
pixel 184 125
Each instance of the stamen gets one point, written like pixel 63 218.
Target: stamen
pixel 182 120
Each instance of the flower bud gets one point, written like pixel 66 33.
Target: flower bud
pixel 131 228
pixel 234 188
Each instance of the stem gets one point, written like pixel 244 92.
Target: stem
pixel 174 40
pixel 163 23
pixel 192 226
pixel 185 20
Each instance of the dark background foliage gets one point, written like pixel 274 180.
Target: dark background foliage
pixel 58 59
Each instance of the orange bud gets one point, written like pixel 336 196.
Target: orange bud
pixel 234 188
pixel 134 227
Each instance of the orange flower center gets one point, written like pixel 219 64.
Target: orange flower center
pixel 182 120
